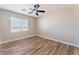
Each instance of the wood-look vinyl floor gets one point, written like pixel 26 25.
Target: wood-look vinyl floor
pixel 37 46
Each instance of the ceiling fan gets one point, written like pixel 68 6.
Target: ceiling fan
pixel 36 10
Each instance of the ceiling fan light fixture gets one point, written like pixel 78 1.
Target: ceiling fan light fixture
pixel 35 10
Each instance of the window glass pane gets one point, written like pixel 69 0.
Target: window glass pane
pixel 24 25
pixel 15 24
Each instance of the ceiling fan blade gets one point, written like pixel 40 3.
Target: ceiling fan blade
pixel 36 6
pixel 31 12
pixel 41 11
pixel 37 13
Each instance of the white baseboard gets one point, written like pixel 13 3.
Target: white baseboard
pixel 17 39
pixel 68 43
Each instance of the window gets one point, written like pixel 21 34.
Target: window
pixel 18 24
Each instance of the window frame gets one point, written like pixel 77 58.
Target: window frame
pixel 20 24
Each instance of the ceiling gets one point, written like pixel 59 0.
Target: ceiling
pixel 18 8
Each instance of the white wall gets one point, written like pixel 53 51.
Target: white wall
pixel 62 25
pixel 0 29
pixel 0 35
pixel 5 26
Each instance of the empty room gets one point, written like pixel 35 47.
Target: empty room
pixel 39 29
